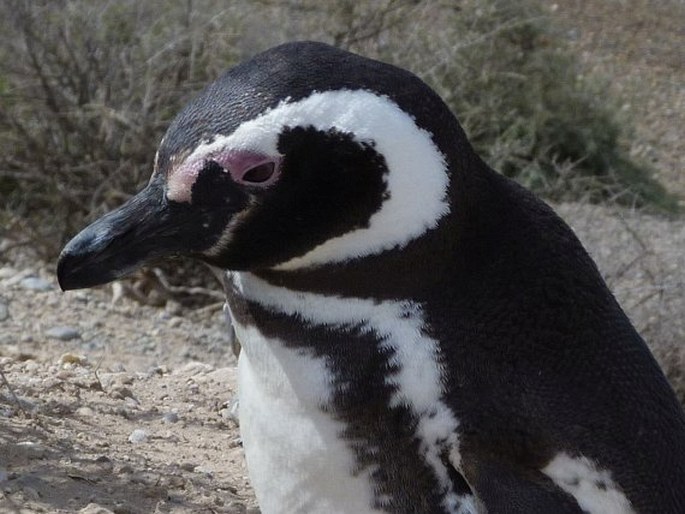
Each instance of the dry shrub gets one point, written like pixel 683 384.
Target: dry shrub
pixel 88 88
pixel 507 73
pixel 87 91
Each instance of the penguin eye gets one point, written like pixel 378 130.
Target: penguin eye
pixel 260 173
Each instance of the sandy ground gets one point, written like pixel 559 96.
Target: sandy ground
pixel 121 406
pixel 126 408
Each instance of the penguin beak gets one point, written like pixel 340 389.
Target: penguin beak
pixel 146 227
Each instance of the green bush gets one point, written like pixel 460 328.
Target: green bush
pixel 88 88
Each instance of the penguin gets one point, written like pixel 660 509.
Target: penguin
pixel 419 333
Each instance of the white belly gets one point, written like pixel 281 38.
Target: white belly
pixel 296 461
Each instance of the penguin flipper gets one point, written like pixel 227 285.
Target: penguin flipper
pixel 504 489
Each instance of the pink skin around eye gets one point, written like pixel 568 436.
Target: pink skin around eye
pixel 239 163
pixel 181 178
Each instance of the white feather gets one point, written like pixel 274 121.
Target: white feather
pixel 297 462
pixel 417 181
pixel 296 376
pixel 593 488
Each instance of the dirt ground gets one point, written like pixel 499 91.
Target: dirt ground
pixel 107 405
pixel 121 406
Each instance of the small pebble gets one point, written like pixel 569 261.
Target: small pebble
pixel 171 437
pixel 63 333
pixel 144 477
pixel 31 366
pixel 124 413
pixel 125 378
pixel 104 464
pixel 36 284
pixel 176 481
pixel 86 412
pixel 223 375
pixel 203 470
pixel 64 374
pixel 170 417
pixel 94 344
pixel 162 507
pixel 131 402
pixel 94 508
pixel 121 392
pixel 125 469
pixel 4 311
pixel 194 368
pixel 7 272
pixel 138 436
pixel 70 358
pixel 33 450
pixel 173 308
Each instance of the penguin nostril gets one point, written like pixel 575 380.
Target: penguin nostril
pixel 260 173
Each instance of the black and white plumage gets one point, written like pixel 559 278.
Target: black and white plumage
pixel 420 334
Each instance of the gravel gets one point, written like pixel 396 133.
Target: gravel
pixel 105 426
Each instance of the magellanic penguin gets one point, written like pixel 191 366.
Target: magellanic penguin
pixel 420 334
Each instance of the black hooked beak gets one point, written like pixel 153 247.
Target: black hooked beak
pixel 146 227
pixel 119 242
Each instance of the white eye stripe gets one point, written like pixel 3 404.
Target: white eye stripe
pixel 417 181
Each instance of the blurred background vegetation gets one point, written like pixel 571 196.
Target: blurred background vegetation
pixel 87 89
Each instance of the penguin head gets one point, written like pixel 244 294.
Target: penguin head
pixel 303 156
